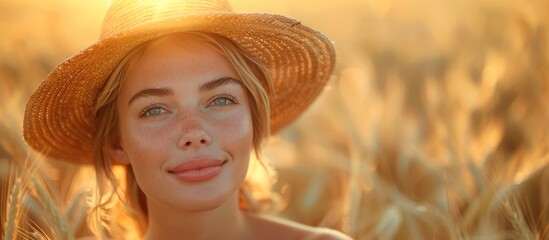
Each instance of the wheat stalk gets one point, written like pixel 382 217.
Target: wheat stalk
pixel 15 210
pixel 59 225
pixel 74 213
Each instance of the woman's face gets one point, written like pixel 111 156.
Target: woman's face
pixel 185 126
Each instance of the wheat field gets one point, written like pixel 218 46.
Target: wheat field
pixel 435 124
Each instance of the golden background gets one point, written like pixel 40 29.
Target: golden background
pixel 434 126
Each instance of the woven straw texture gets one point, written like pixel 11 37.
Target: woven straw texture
pixel 59 120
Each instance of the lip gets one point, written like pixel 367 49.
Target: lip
pixel 198 169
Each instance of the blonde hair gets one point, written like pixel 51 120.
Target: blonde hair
pixel 253 76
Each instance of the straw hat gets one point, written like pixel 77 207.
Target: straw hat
pixel 59 117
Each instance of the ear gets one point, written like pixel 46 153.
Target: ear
pixel 116 151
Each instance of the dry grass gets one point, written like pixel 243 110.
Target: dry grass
pixel 434 126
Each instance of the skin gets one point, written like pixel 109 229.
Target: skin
pixel 180 104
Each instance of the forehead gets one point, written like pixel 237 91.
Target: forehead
pixel 181 51
pixel 189 41
pixel 177 59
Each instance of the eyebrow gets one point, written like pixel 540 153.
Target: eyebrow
pixel 161 92
pixel 218 82
pixel 156 92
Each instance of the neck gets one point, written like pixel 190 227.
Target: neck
pixel 223 222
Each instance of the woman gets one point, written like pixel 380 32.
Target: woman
pixel 179 93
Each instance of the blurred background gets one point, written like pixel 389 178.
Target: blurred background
pixel 435 124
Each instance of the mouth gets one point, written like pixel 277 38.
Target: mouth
pixel 197 170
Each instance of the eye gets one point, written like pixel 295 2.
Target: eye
pixel 223 100
pixel 152 111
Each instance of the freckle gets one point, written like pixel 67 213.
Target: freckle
pixel 228 125
pixel 162 132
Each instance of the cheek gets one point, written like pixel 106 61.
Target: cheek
pixel 238 132
pixel 237 137
pixel 145 143
pixel 146 149
pixel 150 135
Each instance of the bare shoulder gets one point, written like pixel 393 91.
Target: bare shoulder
pixel 279 228
pixel 328 234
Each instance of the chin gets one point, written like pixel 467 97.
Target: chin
pixel 207 203
pixel 202 206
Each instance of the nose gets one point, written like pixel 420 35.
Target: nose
pixel 194 139
pixel 193 134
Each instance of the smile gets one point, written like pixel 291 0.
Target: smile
pixel 198 170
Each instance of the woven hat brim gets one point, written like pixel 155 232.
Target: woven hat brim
pixel 59 117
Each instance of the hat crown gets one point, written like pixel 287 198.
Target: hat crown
pixel 123 15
